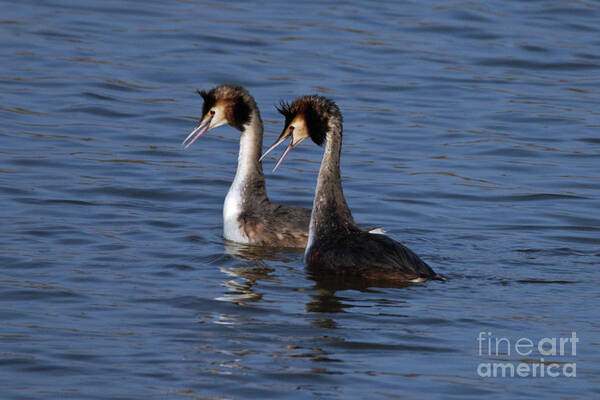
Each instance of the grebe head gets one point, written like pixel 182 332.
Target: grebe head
pixel 307 117
pixel 223 104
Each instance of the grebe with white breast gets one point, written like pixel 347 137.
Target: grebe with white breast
pixel 248 215
pixel 335 245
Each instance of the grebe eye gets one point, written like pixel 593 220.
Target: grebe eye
pixel 212 112
pixel 291 128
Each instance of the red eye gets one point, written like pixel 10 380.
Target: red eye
pixel 212 112
pixel 291 128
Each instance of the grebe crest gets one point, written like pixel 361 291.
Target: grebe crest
pixel 316 113
pixel 223 104
pixel 234 102
pixel 308 116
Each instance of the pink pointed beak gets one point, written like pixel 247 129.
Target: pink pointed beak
pixel 285 153
pixel 199 131
pixel 284 135
pixel 277 143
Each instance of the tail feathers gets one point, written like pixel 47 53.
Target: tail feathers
pixel 439 277
pixel 376 230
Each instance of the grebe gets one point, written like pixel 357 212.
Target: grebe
pixel 335 245
pixel 248 215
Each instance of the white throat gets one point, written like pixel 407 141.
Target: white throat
pixel 311 237
pixel 234 201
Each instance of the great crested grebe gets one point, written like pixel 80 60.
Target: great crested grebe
pixel 248 215
pixel 335 245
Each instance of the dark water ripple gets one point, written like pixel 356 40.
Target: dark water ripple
pixel 472 134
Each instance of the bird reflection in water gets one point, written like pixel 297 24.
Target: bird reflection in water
pixel 260 253
pixel 326 300
pixel 244 277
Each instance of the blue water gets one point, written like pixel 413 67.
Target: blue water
pixel 472 134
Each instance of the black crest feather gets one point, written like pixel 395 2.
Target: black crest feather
pixel 236 101
pixel 209 100
pixel 318 112
pixel 316 117
pixel 241 113
pixel 285 109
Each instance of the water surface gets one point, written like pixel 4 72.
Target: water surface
pixel 472 134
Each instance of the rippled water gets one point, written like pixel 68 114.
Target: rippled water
pixel 472 134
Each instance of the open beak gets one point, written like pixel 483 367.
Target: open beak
pixel 295 141
pixel 277 143
pixel 284 135
pixel 285 153
pixel 199 131
pixel 291 146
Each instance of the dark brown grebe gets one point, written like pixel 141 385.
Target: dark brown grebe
pixel 248 215
pixel 335 245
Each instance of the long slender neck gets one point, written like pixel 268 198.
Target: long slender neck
pixel 249 179
pixel 330 212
